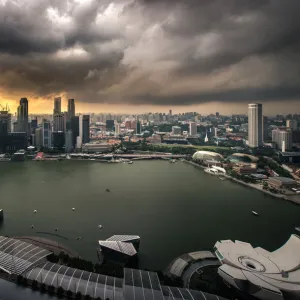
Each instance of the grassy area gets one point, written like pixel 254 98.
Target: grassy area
pixel 211 147
pixel 204 147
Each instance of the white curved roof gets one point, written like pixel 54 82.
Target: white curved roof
pixel 201 154
pixel 274 271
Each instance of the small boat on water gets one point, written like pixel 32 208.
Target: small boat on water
pixel 255 213
pixel 222 178
pixel 130 162
pixel 107 190
pixel 297 228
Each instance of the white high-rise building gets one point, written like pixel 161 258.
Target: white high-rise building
pixel 255 125
pixel 282 138
pixel 117 128
pixel 193 128
pixel 80 130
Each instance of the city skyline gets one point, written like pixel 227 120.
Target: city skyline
pixel 141 55
pixel 212 108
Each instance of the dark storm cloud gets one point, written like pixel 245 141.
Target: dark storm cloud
pixel 241 95
pixel 119 51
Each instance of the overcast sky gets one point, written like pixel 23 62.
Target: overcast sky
pixel 141 55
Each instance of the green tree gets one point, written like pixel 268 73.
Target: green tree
pixel 69 294
pixel 42 287
pixel 19 279
pixel 34 284
pixel 24 281
pixel 60 291
pixel 51 289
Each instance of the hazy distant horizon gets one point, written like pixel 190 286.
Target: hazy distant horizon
pixel 204 109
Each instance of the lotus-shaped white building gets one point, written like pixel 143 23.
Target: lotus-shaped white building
pixel 260 273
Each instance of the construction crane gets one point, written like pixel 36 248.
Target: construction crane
pixel 4 109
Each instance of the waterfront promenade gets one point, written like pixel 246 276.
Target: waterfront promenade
pixel 294 199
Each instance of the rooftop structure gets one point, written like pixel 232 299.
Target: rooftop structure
pixel 207 155
pixel 75 280
pixel 17 256
pixel 121 247
pixel 123 238
pixel 282 182
pixel 260 273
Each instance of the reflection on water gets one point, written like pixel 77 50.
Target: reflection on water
pixel 11 291
pixel 174 208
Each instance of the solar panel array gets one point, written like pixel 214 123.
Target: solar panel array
pixel 122 247
pixel 142 285
pixel 123 238
pixel 87 283
pixel 17 256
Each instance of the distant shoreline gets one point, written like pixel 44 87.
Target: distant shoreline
pixel 249 185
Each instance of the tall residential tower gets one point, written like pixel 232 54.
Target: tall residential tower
pixel 255 125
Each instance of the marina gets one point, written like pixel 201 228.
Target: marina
pixel 171 206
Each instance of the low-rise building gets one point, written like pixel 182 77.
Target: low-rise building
pixel 96 147
pixel 289 157
pixel 245 169
pixel 282 182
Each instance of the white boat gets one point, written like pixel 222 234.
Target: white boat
pixel 214 170
pixel 255 213
pixel 297 228
pixel 130 162
pixel 222 178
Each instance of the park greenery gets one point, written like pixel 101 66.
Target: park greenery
pixel 265 163
pixel 173 148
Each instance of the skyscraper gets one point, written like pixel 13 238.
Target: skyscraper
pixel 71 108
pixel 74 129
pixel 57 105
pixel 193 128
pixel 69 143
pixel 58 122
pixel 255 128
pixel 265 128
pixel 47 141
pixel 22 118
pixel 84 129
pixel 109 125
pixel 138 127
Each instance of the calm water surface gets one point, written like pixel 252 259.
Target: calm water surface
pixel 174 208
